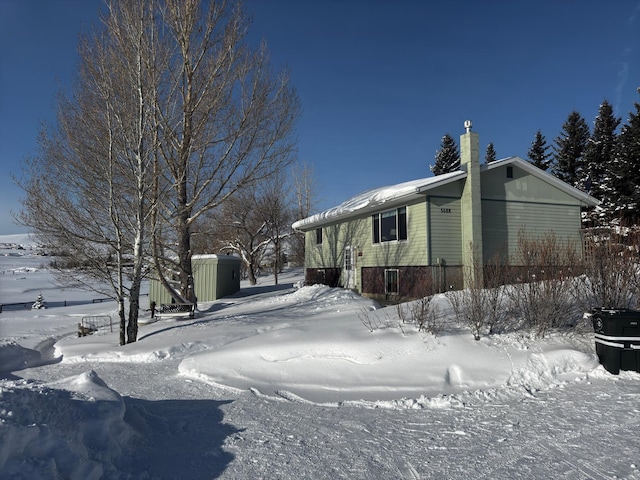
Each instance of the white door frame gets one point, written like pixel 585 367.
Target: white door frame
pixel 349 270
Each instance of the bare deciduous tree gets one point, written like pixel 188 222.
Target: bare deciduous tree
pixel 225 121
pixel 304 191
pixel 87 192
pixel 275 209
pixel 172 115
pixel 241 229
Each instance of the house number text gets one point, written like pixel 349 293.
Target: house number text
pixel 445 210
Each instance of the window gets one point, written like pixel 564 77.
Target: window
pixel 318 236
pixel 391 282
pixel 509 171
pixel 390 225
pixel 348 258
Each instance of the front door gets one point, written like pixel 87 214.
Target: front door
pixel 349 270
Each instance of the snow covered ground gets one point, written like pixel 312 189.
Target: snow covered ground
pixel 279 382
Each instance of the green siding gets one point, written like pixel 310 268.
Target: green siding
pixel 357 233
pixel 445 237
pixel 453 189
pixel 157 293
pixel 523 187
pixel 434 224
pixel 215 276
pixel 502 222
pixel 524 203
pixel 410 252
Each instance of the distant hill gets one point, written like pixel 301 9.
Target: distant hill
pixel 22 239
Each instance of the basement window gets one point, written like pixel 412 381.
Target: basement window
pixel 391 282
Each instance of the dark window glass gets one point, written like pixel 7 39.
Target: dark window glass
pixel 391 281
pixel 318 236
pixel 388 227
pixel 509 172
pixel 375 220
pixel 402 223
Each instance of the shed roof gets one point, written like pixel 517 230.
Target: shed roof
pixel 218 257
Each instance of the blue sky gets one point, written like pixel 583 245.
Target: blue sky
pixel 380 81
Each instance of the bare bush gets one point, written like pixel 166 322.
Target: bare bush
pixel 479 306
pixel 541 294
pixel 422 313
pixel 468 306
pixel 611 277
pixel 373 320
pixel 495 278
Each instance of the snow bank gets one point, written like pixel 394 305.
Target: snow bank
pixel 305 346
pixel 68 429
pixel 549 368
pixel 15 357
pixel 334 358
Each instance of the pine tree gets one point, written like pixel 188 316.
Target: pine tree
pixel 569 151
pixel 490 156
pixel 39 303
pixel 626 169
pixel 599 159
pixel 539 152
pixel 448 157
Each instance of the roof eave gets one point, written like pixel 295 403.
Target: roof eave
pixel 321 219
pixel 326 218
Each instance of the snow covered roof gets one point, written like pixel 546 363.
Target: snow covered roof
pixel 220 257
pixel 372 200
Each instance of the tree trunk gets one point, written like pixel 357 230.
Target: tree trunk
pixel 252 274
pixel 134 308
pixel 187 288
pixel 276 263
pixel 123 321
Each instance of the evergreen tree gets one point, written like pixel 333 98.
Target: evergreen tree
pixel 490 156
pixel 448 157
pixel 626 169
pixel 599 160
pixel 539 152
pixel 568 159
pixel 39 303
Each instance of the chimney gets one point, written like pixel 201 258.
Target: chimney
pixel 471 208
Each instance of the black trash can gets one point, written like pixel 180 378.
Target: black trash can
pixel 617 336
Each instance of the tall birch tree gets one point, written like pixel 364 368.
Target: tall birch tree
pixel 172 115
pixel 88 190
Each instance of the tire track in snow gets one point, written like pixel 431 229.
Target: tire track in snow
pixel 548 454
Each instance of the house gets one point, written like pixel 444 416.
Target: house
pixel 422 234
pixel 214 276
